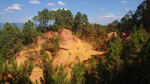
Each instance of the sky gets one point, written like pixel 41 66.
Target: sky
pixel 98 11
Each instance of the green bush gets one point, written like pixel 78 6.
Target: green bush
pixel 15 75
pixel 78 72
pixel 62 76
pixel 54 27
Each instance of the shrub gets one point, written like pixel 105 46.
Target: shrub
pixel 54 27
pixel 78 72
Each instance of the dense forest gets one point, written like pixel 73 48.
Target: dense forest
pixel 127 57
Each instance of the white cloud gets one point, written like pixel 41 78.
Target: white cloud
pixel 108 16
pixel 55 9
pixel 104 20
pixel 123 2
pixel 14 7
pixel 50 4
pixel 127 9
pixel 61 3
pixel 34 2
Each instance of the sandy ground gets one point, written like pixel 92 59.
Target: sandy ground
pixel 71 49
pixel 36 75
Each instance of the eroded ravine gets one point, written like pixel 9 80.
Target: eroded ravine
pixel 71 49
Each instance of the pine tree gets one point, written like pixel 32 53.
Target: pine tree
pixel 10 41
pixel 108 70
pixel 133 56
pixel 113 56
pixel 78 72
pixel 146 62
pixel 48 71
pixel 102 74
pixel 62 76
pixel 28 32
pixel 43 17
pixel 136 44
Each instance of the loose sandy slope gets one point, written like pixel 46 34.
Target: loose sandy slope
pixel 71 49
pixel 36 75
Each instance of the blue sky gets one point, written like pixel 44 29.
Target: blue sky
pixel 98 11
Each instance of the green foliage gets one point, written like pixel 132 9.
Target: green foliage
pixel 10 41
pixel 61 76
pixel 107 72
pixel 54 27
pixel 13 74
pixel 78 72
pixel 48 71
pixel 136 44
pixel 146 15
pixel 43 17
pixel 126 22
pixel 133 57
pixel 64 18
pixel 141 16
pixel 103 74
pixel 45 46
pixel 77 21
pixel 59 18
pixel 92 63
pixel 146 62
pixel 90 74
pixel 41 29
pixel 29 32
pixel 112 27
pixel 80 21
pixel 1 68
pixel 114 52
pixel 52 45
pixel 94 34
pixel 100 37
pixel 125 61
pixel 55 44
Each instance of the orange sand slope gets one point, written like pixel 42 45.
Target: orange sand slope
pixel 71 49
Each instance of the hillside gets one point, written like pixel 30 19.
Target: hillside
pixel 68 46
pixel 71 49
